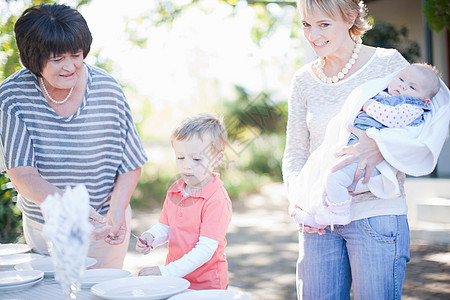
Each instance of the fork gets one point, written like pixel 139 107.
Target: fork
pixel 141 240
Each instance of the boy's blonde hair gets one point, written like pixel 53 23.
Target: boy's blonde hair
pixel 342 8
pixel 203 125
pixel 432 75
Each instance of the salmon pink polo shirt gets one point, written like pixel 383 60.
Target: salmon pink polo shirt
pixel 207 212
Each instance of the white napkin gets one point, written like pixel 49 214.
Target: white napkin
pixel 67 230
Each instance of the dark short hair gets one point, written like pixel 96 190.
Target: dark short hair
pixel 47 29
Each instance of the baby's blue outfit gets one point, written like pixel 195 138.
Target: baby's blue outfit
pixel 340 182
pixel 364 121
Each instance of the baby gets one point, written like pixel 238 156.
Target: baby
pixel 197 210
pixel 404 103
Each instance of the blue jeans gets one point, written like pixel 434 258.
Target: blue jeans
pixel 372 253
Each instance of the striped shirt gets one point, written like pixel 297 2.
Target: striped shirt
pixel 91 147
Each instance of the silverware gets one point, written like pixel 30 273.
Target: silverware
pixel 141 240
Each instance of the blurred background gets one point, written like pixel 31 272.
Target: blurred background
pixel 236 58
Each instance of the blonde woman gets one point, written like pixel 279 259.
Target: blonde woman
pixel 371 251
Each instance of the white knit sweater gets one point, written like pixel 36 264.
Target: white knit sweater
pixel 313 103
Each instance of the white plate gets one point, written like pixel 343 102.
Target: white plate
pixel 9 261
pixel 19 287
pixel 212 294
pixel 10 278
pixel 6 249
pixel 90 261
pixel 142 287
pixel 46 265
pixel 94 276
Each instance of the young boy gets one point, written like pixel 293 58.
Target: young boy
pixel 404 103
pixel 197 210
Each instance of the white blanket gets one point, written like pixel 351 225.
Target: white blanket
pixel 412 150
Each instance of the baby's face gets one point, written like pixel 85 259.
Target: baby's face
pixel 411 82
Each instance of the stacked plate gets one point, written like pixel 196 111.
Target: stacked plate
pixel 6 249
pixel 46 265
pixel 7 262
pixel 18 280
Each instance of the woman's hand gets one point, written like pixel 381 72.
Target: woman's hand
pixel 142 248
pixel 150 271
pixel 366 152
pixel 118 225
pixel 94 216
pixel 120 199
pixel 101 229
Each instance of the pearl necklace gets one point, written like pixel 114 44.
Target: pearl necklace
pixel 50 97
pixel 321 63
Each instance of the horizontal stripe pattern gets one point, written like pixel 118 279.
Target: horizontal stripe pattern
pixel 90 147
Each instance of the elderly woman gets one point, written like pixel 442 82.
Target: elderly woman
pixel 66 123
pixel 371 251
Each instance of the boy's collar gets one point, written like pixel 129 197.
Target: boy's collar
pixel 205 192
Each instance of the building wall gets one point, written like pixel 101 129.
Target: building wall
pixel 401 13
pixel 440 56
pixel 408 13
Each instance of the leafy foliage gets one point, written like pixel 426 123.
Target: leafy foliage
pixel 165 12
pixel 437 13
pixel 385 35
pixel 253 122
pixel 152 187
pixel 267 160
pixel 254 115
pixel 10 216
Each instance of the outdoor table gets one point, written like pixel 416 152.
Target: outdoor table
pixel 48 288
pixel 45 289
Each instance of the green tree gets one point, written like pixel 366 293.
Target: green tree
pixel 437 13
pixel 253 122
pixel 386 35
pixel 257 113
pixel 10 216
pixel 270 15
